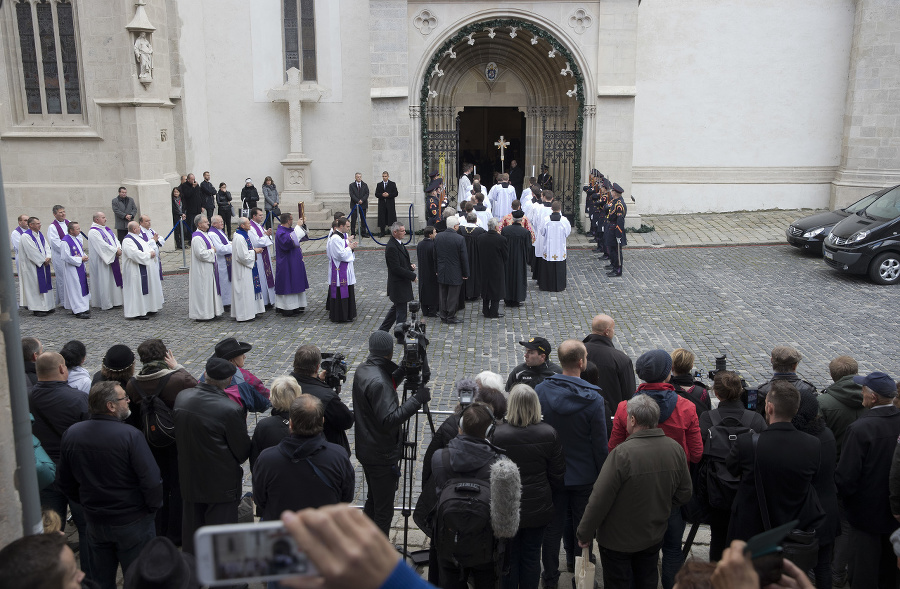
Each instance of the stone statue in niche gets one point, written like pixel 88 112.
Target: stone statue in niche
pixel 143 53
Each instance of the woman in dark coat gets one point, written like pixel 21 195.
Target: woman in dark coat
pixel 493 253
pixel 535 448
pixel 179 213
pixel 271 430
pixel 249 196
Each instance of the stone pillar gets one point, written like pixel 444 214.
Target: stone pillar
pixel 613 149
pixel 870 147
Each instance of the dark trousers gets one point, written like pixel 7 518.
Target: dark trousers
pixel 197 515
pixel 381 482
pixel 168 518
pixel 115 545
pixel 671 549
pixel 396 314
pixel 226 218
pixel 823 567
pixel 718 532
pixel 636 570
pixel 614 249
pixel 121 233
pixel 842 548
pixel 490 308
pixel 872 561
pixel 448 300
pixel 361 211
pixel 53 498
pixel 574 498
pixel 453 577
pixel 524 554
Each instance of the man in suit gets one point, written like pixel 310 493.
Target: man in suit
pixel 387 208
pixel 862 483
pixel 451 263
pixel 401 275
pixel 786 477
pixel 516 177
pixel 359 195
pixel 493 254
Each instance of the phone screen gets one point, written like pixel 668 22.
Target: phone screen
pixel 752 395
pixel 263 551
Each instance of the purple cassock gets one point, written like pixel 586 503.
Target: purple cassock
pixel 290 271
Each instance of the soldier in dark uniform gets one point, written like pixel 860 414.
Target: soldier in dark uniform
pixel 592 195
pixel 602 211
pixel 433 201
pixel 615 235
pixel 545 180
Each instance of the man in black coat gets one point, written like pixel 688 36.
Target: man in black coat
pixel 616 368
pixel 493 253
pixel 359 195
pixel 31 349
pixel 401 275
pixel 191 198
pixel 386 192
pixel 208 196
pixel 470 232
pixel 338 417
pixel 428 285
pixel 862 483
pixel 785 360
pixel 516 176
pixel 451 264
pixel 785 477
pixel 518 240
pixel 536 367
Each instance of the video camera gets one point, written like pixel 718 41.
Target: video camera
pixel 466 396
pixel 411 335
pixel 748 396
pixel 335 368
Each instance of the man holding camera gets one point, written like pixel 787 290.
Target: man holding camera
pixel 338 417
pixel 401 275
pixel 379 419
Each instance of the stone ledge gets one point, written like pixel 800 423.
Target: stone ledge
pixel 390 92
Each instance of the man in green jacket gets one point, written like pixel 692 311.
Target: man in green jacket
pixel 629 508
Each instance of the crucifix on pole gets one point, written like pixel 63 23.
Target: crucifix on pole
pixel 502 145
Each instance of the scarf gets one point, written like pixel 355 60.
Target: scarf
pixel 267 263
pixel 43 271
pixel 257 287
pixel 154 366
pixel 109 238
pixel 76 252
pixel 158 261
pixel 227 256
pixel 205 239
pixel 145 283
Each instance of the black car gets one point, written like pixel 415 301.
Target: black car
pixel 810 232
pixel 868 242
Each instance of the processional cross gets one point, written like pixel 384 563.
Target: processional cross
pixel 502 145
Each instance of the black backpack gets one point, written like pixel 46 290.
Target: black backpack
pixel 721 485
pixel 157 421
pixel 698 395
pixel 462 524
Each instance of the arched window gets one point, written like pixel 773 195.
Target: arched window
pixel 300 37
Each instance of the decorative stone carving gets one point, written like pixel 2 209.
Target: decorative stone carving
pixel 471 38
pixel 580 20
pixel 425 21
pixel 590 111
pixel 491 72
pixel 552 53
pixel 534 40
pixel 143 54
pixel 491 32
pixel 512 32
pixel 573 92
pixel 296 177
pixel 295 92
pixel 567 71
pixel 414 111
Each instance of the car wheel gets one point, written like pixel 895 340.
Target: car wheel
pixel 885 269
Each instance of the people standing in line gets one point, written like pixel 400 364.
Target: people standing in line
pixel 179 219
pixel 262 238
pixel 464 187
pixel 224 208
pixel 428 284
pixel 386 191
pixel 271 204
pixel 105 265
pixel 501 196
pixel 249 198
pixel 359 204
pixel 401 275
pixel 516 176
pixel 341 301
pixel 56 232
pixel 493 255
pixel 138 276
pixel 223 247
pixel 15 238
pixel 451 264
pixel 204 298
pixel 291 282
pixel 519 241
pixel 74 272
pixel 155 241
pixel 124 211
pixel 208 197
pixel 192 199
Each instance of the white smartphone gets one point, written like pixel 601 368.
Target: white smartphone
pixel 263 551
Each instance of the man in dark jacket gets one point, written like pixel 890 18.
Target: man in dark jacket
pixel 31 349
pixel 379 421
pixel 785 360
pixel 493 253
pixel 124 210
pixel 536 367
pixel 428 285
pixel 106 465
pixel 304 470
pixel 207 196
pixel 211 436
pixel 338 417
pixel 451 264
pixel 192 199
pixel 575 408
pixel 616 368
pixel 862 483
pixel 359 198
pixel 386 192
pixel 401 275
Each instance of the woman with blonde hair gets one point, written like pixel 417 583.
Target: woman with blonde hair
pixel 535 448
pixel 271 430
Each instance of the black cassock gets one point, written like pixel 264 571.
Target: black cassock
pixel 521 251
pixel 428 285
pixel 492 259
pixel 473 284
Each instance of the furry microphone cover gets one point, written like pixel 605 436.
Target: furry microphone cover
pixel 506 495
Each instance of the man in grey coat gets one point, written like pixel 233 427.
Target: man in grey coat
pixel 451 263
pixel 124 210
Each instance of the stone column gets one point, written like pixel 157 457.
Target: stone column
pixel 870 147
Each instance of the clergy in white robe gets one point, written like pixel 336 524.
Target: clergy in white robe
pixel 137 255
pixel 246 281
pixel 74 273
pixel 501 197
pixel 341 302
pixel 56 232
pixel 14 239
pixel 541 212
pixel 155 241
pixel 465 185
pixel 555 229
pixel 224 260
pixel 204 299
pixel 106 273
pixel 35 258
pixel 262 238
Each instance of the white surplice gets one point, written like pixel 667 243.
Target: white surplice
pixel 223 248
pixel 553 237
pixel 204 301
pixel 244 302
pixel 149 236
pixel 77 302
pixel 14 238
pixel 501 200
pixel 136 302
pixel 258 238
pixel 33 251
pixel 338 250
pixel 465 187
pixel 104 292
pixel 541 214
pixel 55 234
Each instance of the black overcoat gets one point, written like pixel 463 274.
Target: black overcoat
pixel 493 254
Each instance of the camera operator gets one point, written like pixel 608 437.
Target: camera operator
pixel 379 417
pixel 311 378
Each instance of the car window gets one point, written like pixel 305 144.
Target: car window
pixel 887 206
pixel 861 204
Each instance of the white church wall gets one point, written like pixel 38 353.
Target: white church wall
pixel 725 85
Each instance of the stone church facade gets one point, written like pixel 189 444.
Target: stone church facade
pixel 690 105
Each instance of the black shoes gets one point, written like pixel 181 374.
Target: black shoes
pixel 614 273
pixel 83 315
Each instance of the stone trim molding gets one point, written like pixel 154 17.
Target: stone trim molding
pixel 616 91
pixel 733 175
pixel 867 177
pixel 391 92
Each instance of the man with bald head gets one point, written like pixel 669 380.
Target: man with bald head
pixel 140 287
pixel 616 368
pixel 104 264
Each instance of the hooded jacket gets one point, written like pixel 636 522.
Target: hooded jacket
pixel 677 418
pixel 301 472
pixel 576 411
pixel 841 405
pixel 468 455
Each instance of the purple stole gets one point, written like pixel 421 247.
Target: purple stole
pixel 339 276
pixel 227 256
pixel 145 284
pixel 205 239
pixel 75 250
pixel 59 229
pixel 257 287
pixel 43 271
pixel 116 269
pixel 267 263
pixel 158 261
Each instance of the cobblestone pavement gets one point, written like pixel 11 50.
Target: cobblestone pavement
pixel 739 300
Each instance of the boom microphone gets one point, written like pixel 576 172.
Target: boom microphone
pixel 506 496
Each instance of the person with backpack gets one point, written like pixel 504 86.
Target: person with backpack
pixel 684 383
pixel 152 393
pixel 719 428
pixel 785 360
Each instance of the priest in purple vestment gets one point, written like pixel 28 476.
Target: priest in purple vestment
pixel 290 271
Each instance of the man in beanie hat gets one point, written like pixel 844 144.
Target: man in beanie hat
pixel 862 482
pixel 379 417
pixel 212 441
pixel 678 419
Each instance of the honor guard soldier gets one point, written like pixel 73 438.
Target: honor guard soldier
pixel 615 234
pixel 433 199
pixel 545 180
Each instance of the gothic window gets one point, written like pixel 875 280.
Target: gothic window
pixel 300 37
pixel 49 57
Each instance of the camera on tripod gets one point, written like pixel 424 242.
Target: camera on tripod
pixel 411 335
pixel 335 368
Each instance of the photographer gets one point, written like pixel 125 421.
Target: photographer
pixel 379 417
pixel 338 417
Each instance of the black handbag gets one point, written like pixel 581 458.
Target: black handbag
pixel 801 547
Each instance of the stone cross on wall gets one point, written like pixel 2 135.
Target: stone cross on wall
pixel 295 92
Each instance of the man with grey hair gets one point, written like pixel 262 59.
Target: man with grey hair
pixel 56 233
pixel 105 271
pixel 471 231
pixel 219 239
pixel 451 264
pixel 629 506
pixel 785 360
pixel 401 275
pixel 359 204
pixel 490 380
pixel 204 290
pixel 492 255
